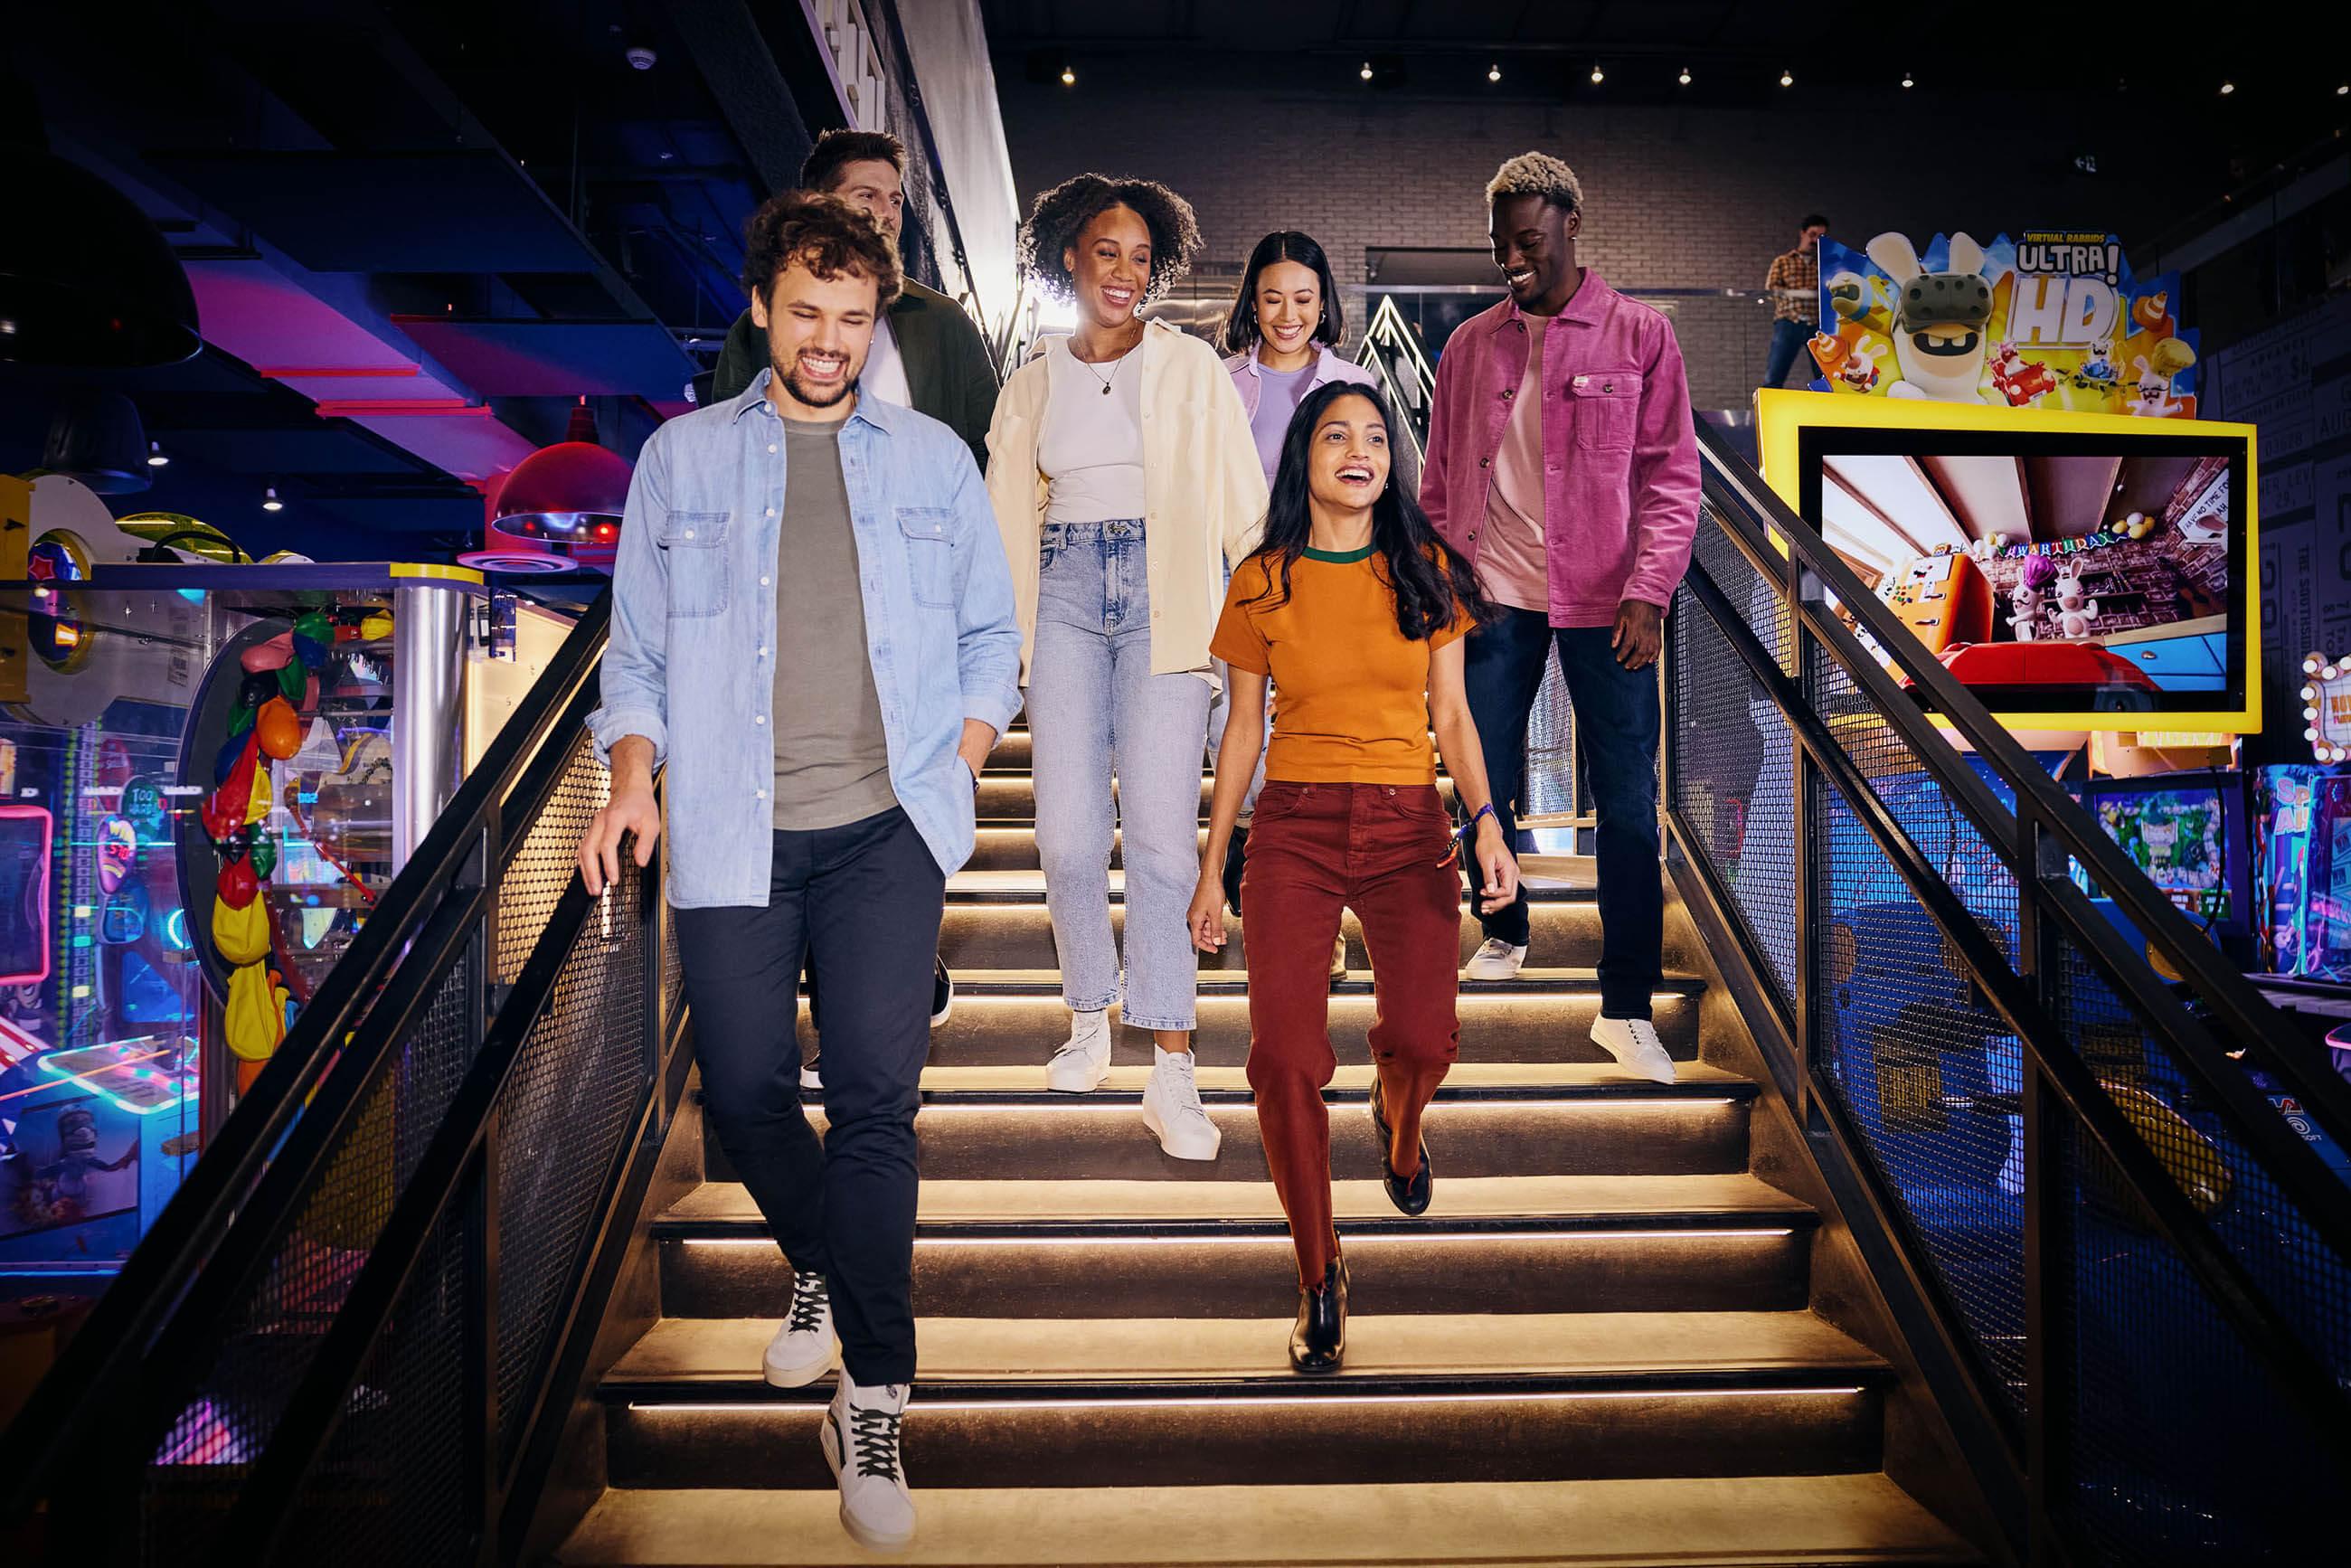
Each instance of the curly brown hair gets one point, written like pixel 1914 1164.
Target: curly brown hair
pixel 1061 215
pixel 823 233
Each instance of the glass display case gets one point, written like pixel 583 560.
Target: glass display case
pixel 208 777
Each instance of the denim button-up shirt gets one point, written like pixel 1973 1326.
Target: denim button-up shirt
pixel 689 664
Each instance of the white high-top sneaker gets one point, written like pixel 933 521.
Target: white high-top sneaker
pixel 1495 959
pixel 1083 1060
pixel 805 1348
pixel 861 1444
pixel 1634 1044
pixel 1172 1110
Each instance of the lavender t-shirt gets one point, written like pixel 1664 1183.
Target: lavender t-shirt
pixel 1277 398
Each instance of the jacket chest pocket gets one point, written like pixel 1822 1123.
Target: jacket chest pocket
pixel 1606 405
pixel 930 554
pixel 694 548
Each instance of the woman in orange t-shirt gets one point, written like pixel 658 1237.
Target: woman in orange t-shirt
pixel 1355 611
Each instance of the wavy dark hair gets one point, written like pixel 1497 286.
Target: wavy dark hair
pixel 1061 215
pixel 1241 334
pixel 1432 584
pixel 824 233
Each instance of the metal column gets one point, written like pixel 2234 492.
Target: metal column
pixel 428 666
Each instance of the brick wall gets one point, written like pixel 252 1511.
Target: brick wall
pixel 1674 198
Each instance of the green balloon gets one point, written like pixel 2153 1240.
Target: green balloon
pixel 314 625
pixel 293 680
pixel 263 854
pixel 240 721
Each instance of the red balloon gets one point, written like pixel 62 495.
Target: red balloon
pixel 237 884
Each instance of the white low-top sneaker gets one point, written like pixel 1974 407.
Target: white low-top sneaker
pixel 1495 959
pixel 1083 1060
pixel 1339 958
pixel 805 1348
pixel 1172 1110
pixel 811 1080
pixel 861 1444
pixel 1634 1044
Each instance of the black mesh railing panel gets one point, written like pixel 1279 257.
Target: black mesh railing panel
pixel 1761 601
pixel 1927 1074
pixel 1730 775
pixel 270 1338
pixel 541 867
pixel 565 1113
pixel 2177 1445
pixel 392 1489
pixel 673 973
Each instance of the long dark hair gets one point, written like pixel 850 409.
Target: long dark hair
pixel 1241 334
pixel 1432 584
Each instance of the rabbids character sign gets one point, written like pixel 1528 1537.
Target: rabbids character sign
pixel 2053 318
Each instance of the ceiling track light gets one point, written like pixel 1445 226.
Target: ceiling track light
pixel 269 501
pixel 2227 87
pixel 1366 72
pixel 1598 76
pixel 1494 71
pixel 155 458
pixel 1069 75
pixel 1787 78
pixel 1685 78
pixel 1906 81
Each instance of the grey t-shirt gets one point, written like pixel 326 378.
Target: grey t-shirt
pixel 832 760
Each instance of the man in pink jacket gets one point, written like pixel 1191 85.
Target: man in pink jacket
pixel 1561 462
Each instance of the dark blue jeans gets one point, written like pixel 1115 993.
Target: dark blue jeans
pixel 1616 726
pixel 1788 341
pixel 864 901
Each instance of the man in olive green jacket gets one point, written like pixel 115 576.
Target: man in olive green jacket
pixel 927 356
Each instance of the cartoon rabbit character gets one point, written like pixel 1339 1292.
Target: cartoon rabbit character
pixel 2025 597
pixel 2068 585
pixel 1859 371
pixel 1939 318
pixel 2152 395
pixel 2076 617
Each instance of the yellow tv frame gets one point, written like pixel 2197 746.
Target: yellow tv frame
pixel 1783 414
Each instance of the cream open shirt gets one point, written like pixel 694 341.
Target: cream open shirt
pixel 1204 492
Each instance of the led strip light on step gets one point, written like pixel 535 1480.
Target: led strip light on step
pixel 1352 1239
pixel 1189 1401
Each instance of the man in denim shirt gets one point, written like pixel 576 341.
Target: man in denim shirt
pixel 812 621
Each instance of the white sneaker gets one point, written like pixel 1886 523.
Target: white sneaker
pixel 811 1080
pixel 805 1348
pixel 1171 1109
pixel 1339 958
pixel 1634 1044
pixel 1083 1060
pixel 861 1444
pixel 1495 959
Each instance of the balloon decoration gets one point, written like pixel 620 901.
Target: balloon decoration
pixel 281 681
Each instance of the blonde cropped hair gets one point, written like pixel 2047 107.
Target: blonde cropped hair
pixel 1537 174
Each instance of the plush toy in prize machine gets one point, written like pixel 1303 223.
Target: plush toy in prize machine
pixel 279 688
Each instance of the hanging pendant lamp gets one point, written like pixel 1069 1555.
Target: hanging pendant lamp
pixel 560 508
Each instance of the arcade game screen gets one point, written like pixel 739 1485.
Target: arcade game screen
pixel 2179 837
pixel 2050 574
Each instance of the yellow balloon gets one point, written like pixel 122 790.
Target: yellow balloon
pixel 254 1018
pixel 376 627
pixel 258 805
pixel 241 935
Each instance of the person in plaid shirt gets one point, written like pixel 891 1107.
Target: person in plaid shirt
pixel 1794 283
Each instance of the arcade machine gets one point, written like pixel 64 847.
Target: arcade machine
pixel 208 776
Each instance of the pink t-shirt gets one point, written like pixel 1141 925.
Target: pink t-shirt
pixel 1511 566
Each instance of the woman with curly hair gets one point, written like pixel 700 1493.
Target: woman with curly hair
pixel 1356 611
pixel 1124 482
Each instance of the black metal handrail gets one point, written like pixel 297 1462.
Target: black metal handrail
pixel 2059 1087
pixel 96 1421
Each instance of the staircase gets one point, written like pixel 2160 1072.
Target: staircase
pixel 1596 1348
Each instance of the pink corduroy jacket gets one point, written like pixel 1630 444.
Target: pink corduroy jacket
pixel 1620 455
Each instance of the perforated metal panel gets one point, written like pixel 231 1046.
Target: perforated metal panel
pixel 542 868
pixel 1549 789
pixel 565 1113
pixel 273 1334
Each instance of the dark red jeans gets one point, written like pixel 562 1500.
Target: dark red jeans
pixel 1385 851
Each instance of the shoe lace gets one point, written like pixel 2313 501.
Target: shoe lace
pixel 876 1432
pixel 1494 948
pixel 1645 1034
pixel 1185 1087
pixel 806 1314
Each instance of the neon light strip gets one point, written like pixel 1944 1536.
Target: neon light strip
pixel 1510 1396
pixel 1353 1241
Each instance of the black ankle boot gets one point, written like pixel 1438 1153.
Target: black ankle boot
pixel 1410 1195
pixel 1235 863
pixel 1318 1343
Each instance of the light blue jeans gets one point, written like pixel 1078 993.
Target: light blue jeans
pixel 1096 711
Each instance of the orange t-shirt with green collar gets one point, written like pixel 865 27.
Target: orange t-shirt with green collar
pixel 1353 706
